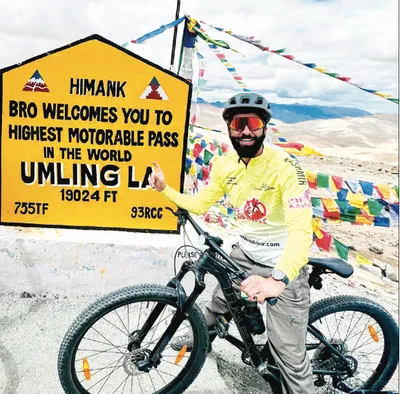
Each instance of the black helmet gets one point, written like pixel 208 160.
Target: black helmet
pixel 246 103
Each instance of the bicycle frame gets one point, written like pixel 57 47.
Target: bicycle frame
pixel 215 262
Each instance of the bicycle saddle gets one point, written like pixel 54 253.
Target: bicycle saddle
pixel 334 264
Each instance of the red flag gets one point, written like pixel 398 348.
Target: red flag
pixel 291 57
pixel 196 150
pixel 225 148
pixel 324 242
pixel 338 181
pixel 345 79
pixel 206 173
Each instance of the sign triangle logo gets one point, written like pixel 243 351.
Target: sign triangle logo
pixel 36 84
pixel 154 91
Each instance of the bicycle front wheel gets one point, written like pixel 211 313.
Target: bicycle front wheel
pixel 94 356
pixel 364 332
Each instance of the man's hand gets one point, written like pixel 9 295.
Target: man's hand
pixel 258 288
pixel 157 179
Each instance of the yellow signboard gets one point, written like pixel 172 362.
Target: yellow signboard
pixel 80 128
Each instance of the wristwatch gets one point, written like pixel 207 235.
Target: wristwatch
pixel 280 275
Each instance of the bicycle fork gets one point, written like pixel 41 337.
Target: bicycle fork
pixel 184 304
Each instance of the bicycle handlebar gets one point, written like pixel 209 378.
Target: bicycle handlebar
pixel 214 243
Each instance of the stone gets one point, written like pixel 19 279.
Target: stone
pixel 379 264
pixel 376 271
pixel 375 249
pixel 390 273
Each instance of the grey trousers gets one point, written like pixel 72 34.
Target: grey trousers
pixel 286 325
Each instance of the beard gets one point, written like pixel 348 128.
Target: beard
pixel 247 151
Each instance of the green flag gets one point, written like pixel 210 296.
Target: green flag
pixel 220 153
pixel 207 156
pixel 332 74
pixel 280 51
pixel 342 205
pixel 375 207
pixel 396 189
pixel 343 250
pixel 315 201
pixel 348 217
pixel 322 180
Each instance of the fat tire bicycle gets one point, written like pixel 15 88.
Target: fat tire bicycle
pixel 143 360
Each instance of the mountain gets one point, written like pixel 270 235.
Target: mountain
pixel 295 113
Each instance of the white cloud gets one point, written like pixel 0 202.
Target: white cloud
pixel 356 39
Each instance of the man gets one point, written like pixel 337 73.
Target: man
pixel 270 193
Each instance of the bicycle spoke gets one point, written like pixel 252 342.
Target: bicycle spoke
pixel 105 338
pixel 175 365
pixel 151 380
pixel 95 340
pixel 114 325
pixel 126 381
pixel 161 376
pixel 109 375
pixel 166 373
pixel 337 326
pixel 120 385
pixel 106 367
pixel 359 338
pixel 367 341
pixel 139 384
pixel 348 328
pixel 356 325
pixel 95 354
pixel 127 331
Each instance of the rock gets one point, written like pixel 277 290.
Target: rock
pixel 375 249
pixel 390 273
pixel 379 264
pixel 25 294
pixel 376 271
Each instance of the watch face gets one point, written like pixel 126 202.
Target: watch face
pixel 278 274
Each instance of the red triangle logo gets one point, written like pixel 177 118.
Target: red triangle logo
pixel 36 84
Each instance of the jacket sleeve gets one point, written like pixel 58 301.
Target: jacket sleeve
pixel 297 209
pixel 206 197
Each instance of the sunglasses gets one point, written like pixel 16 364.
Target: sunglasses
pixel 238 124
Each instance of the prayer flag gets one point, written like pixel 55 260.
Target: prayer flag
pixel 342 250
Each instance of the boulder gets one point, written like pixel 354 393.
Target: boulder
pixel 376 271
pixel 390 273
pixel 376 249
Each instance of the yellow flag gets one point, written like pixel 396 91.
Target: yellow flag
pixel 330 205
pixel 192 170
pixel 385 190
pixel 321 70
pixel 363 220
pixel 316 226
pixel 362 260
pixel 356 200
pixel 311 177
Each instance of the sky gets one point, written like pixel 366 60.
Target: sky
pixel 355 38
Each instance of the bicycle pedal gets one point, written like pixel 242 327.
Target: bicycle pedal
pixel 221 326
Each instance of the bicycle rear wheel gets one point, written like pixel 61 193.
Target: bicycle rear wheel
pixel 94 356
pixel 364 332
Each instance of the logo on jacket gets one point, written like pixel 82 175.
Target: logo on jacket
pixel 254 210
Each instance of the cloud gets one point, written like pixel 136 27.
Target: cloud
pixel 357 39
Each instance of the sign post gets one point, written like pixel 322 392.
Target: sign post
pixel 80 128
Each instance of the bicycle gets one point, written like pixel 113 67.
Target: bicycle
pixel 139 357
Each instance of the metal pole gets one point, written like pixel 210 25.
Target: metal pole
pixel 178 7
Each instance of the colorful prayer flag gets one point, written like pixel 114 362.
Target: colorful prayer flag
pixel 322 180
pixel 362 260
pixel 342 250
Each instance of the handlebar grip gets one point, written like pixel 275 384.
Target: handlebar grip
pixel 272 301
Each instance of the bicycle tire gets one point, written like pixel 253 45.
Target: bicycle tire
pixel 390 356
pixel 113 300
